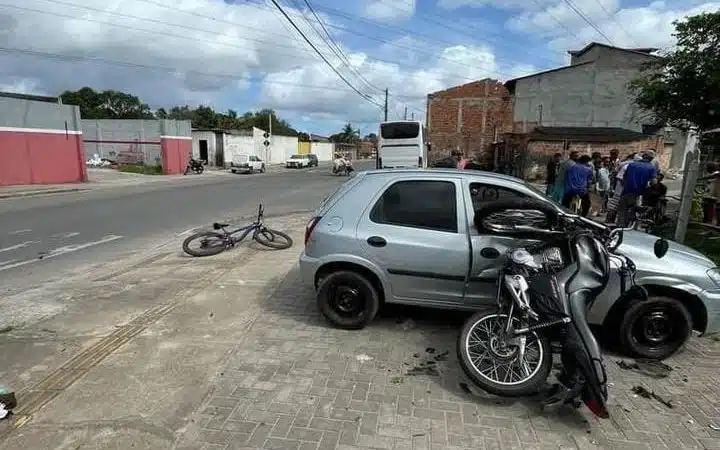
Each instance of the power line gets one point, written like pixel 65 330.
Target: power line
pixel 365 96
pixel 340 52
pixel 588 21
pixel 612 17
pixel 173 70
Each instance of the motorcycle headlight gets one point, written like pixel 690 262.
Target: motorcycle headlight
pixel 714 275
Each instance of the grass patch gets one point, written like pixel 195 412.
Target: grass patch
pixel 141 169
pixel 6 329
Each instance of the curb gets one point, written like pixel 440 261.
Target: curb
pixel 42 192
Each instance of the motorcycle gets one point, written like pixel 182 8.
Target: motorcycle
pixel 344 168
pixel 195 165
pixel 544 291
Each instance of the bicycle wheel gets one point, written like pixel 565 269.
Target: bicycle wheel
pixel 272 238
pixel 210 244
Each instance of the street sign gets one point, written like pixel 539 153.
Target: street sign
pixel 266 143
pixel 266 135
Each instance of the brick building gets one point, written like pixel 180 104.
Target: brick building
pixel 468 118
pixel 584 105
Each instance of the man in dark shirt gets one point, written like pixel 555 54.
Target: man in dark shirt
pixel 577 180
pixel 552 169
pixel 655 192
pixel 635 182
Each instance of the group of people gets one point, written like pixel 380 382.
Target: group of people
pixel 606 184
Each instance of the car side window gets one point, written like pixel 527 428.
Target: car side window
pixel 482 194
pixel 425 204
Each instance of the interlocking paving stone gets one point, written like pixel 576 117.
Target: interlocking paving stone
pixel 296 383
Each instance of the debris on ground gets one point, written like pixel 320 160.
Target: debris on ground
pixel 714 427
pixel 644 393
pixel 649 367
pixel 363 358
pixel 7 402
pixel 429 365
pixel 406 324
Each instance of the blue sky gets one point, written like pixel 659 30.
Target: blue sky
pixel 245 55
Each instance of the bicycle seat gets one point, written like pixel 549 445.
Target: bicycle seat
pixel 219 226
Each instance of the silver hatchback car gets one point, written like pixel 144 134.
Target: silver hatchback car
pixel 407 236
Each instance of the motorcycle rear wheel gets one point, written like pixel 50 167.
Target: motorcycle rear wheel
pixel 479 342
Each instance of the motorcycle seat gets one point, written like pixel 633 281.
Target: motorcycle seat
pixel 218 225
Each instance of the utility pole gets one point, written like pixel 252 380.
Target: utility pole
pixel 412 115
pixel 405 113
pixel 386 106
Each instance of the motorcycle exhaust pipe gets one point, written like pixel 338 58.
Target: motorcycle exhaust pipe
pixel 540 326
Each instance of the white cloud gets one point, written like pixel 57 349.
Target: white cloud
pixel 388 10
pixel 647 26
pixel 500 4
pixel 203 57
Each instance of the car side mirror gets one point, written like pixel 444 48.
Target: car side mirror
pixel 661 247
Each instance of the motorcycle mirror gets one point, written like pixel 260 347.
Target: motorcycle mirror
pixel 661 247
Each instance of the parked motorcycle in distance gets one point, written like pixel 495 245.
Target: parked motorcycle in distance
pixel 544 292
pixel 195 165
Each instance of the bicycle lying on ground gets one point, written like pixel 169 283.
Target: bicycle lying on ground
pixel 216 242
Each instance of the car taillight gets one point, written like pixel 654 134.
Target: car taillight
pixel 310 227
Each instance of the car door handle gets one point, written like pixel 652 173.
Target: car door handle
pixel 377 241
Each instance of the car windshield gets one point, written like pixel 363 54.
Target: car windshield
pixel 296 157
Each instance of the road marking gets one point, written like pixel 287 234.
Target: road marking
pixel 65 235
pixel 26 230
pixel 5 263
pixel 17 246
pixel 188 231
pixel 62 251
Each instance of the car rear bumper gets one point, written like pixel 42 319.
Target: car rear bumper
pixel 711 299
pixel 308 268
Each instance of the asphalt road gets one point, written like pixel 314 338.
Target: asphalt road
pixel 42 238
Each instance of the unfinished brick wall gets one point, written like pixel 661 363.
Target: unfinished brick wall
pixel 541 151
pixel 468 118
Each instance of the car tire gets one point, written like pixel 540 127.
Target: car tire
pixel 233 170
pixel 350 291
pixel 656 328
pixel 262 168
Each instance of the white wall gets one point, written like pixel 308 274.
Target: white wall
pixel 238 145
pixel 279 150
pixel 209 136
pixel 323 150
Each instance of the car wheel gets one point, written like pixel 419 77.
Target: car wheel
pixel 262 168
pixel 348 300
pixel 655 328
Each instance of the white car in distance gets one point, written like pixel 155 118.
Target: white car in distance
pixel 247 164
pixel 297 161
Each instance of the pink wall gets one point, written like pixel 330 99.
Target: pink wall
pixel 36 156
pixel 175 152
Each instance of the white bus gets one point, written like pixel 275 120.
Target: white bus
pixel 402 144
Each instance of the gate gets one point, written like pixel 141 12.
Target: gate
pixel 510 156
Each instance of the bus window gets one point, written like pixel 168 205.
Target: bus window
pixel 399 130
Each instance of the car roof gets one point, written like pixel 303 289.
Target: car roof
pixel 434 172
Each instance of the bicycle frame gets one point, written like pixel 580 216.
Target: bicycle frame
pixel 244 230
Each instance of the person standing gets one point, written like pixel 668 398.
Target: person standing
pixel 552 170
pixel 577 183
pixel 603 184
pixel 638 175
pixel 559 188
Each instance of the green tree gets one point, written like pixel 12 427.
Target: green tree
pixel 682 88
pixel 348 135
pixel 108 104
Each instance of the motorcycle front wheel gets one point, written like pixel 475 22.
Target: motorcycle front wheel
pixel 496 366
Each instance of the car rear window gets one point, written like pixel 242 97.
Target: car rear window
pixel 399 130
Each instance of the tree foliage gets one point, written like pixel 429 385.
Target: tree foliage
pixel 119 105
pixel 682 88
pixel 348 135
